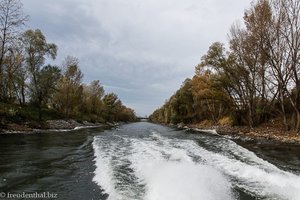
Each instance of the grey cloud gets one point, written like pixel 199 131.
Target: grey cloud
pixel 140 49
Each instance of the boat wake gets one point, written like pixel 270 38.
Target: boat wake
pixel 160 168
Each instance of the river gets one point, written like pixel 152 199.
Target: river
pixel 145 161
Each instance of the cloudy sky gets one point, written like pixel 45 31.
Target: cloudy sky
pixel 140 49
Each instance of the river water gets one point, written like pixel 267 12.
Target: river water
pixel 148 162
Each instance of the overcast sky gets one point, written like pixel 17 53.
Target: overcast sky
pixel 141 50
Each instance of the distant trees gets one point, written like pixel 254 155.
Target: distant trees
pixel 114 110
pixel 179 108
pixel 257 78
pixel 182 104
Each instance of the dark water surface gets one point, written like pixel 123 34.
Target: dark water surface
pixel 149 162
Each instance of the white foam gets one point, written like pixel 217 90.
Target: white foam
pixel 110 159
pixel 257 176
pixel 167 170
pixel 170 173
pixel 185 180
pixel 86 127
pixel 104 173
pixel 211 131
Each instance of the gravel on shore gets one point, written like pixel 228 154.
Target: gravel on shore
pixel 51 125
pixel 263 132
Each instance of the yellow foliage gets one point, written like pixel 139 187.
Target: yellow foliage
pixel 206 122
pixel 226 121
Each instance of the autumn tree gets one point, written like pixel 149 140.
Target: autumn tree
pixel 210 100
pixel 257 75
pixel 70 89
pixel 182 104
pixel 112 106
pixel 36 51
pixel 230 76
pixel 47 79
pixel 92 99
pixel 244 70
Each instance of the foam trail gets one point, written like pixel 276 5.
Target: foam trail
pixel 170 173
pixel 256 175
pixel 104 173
pixel 113 173
pixel 162 171
pixel 158 168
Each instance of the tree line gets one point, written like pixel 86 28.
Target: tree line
pixel 254 80
pixel 26 81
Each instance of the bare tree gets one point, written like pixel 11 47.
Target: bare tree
pixel 283 51
pixel 11 19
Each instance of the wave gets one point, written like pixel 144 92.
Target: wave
pixel 160 168
pixel 249 172
pixel 210 131
pixel 170 173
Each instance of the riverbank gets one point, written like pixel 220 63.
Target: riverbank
pixel 51 125
pixel 266 132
